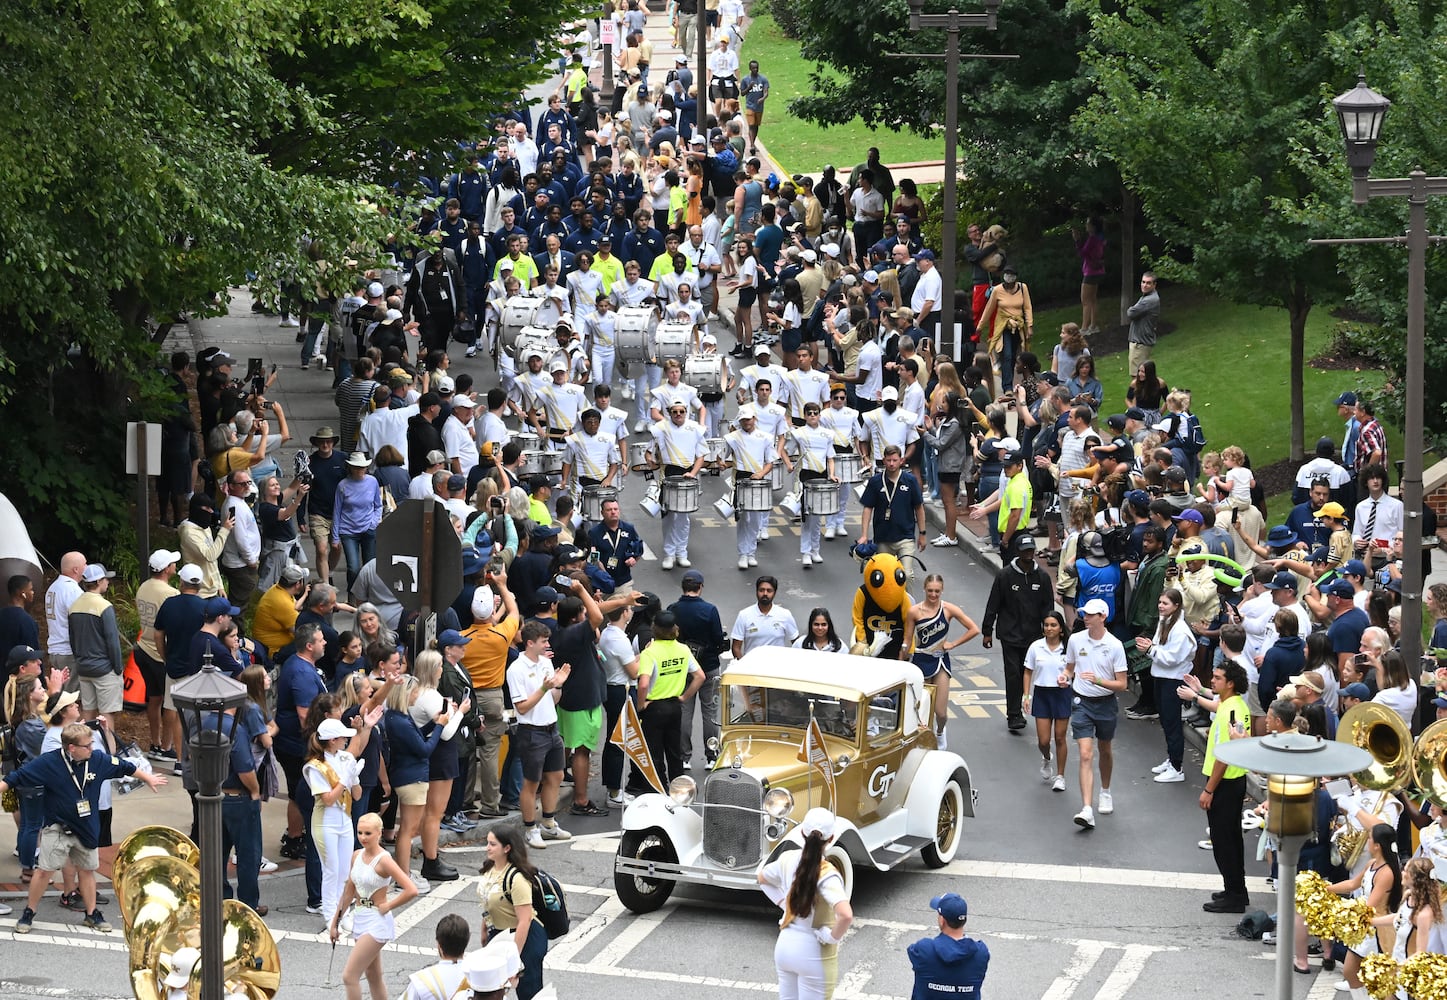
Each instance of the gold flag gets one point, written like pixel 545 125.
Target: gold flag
pixel 628 734
pixel 814 753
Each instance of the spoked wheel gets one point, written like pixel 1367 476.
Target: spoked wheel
pixel 941 851
pixel 641 894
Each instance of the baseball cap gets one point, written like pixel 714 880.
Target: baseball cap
pixel 951 906
pixel 569 554
pixel 1135 413
pixel 292 574
pixel 162 558
pixel 1116 421
pixel 871 276
pixel 558 365
pixel 463 402
pixel 375 290
pixel 445 384
pixel 543 532
pixel 456 481
pixel 1320 554
pixel 436 457
pixel 1284 580
pixel 1354 567
pixel 190 573
pixel 1311 680
pixel 215 607
pixel 1175 473
pixel 1194 516
pixel 1333 510
pixel 1339 588
pixel 761 348
pixel 547 595
pixel 452 637
pixel 1095 606
pixel 889 392
pixel 693 578
pixel 925 255
pixel 1024 542
pixel 810 256
pixel 818 820
pixel 392 315
pixel 1138 498
pixel 20 655
pixel 332 729
pixel 95 572
pixel 709 338
pixel 1347 399
pixel 1361 692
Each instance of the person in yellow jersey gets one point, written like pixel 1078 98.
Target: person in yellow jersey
pixel 668 675
pixel 1225 790
pixel 610 268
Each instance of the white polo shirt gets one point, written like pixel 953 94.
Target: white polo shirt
pixel 754 628
pixel 1103 657
pixel 523 678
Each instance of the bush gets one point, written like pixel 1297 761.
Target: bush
pixel 786 16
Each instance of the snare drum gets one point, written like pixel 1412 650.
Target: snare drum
pixel 550 463
pixel 848 467
pixel 718 453
pixel 638 455
pixel 534 338
pixel 821 498
pixel 593 499
pixel 526 440
pixel 634 334
pixel 702 372
pixel 517 312
pixel 675 340
pixel 777 478
pixel 532 463
pixel 754 495
pixel 680 495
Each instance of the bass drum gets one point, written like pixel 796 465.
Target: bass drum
pixel 821 498
pixel 675 340
pixel 517 312
pixel 702 372
pixel 534 338
pixel 634 331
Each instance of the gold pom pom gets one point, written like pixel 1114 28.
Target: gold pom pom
pixel 1424 976
pixel 1379 974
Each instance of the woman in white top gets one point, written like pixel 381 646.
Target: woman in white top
pixel 816 908
pixel 1172 650
pixel 1047 697
pixel 1394 684
pixel 332 775
pixel 443 766
pixel 1380 884
pixel 1418 924
pixel 371 875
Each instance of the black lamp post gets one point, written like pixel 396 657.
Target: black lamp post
pixel 1360 112
pixel 1291 762
pixel 204 699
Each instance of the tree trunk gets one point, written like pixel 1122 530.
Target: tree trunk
pixel 1127 250
pixel 1298 306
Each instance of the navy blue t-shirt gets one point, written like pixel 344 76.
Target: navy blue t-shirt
pixel 297 686
pixel 180 618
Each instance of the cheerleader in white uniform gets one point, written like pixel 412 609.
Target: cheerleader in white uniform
pixel 817 914
pixel 1418 923
pixel 1380 884
pixel 332 775
pixel 372 874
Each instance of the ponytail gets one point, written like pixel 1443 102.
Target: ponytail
pixel 806 876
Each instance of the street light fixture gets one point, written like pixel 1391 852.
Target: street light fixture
pixel 1360 113
pixel 1291 762
pixel 204 699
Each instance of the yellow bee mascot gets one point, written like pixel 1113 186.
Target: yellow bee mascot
pixel 880 604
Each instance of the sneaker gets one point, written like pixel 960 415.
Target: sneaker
pixel 586 809
pixel 315 908
pixel 828 532
pixel 535 839
pixel 450 823
pixel 817 557
pixel 667 563
pixel 5 910
pixel 1170 776
pixel 1342 986
pixel 764 535
pixel 472 352
pixel 615 799
pixel 945 542
pixel 305 366
pixel 807 561
pixel 743 562
pixel 96 921
pixel 177 771
pixel 1107 804
pixel 1058 783
pixel 1204 845
pixel 683 562
pixel 753 561
pixel 72 901
pixel 267 866
pixel 1141 714
pixel 554 832
pixel 1162 767
pixel 293 848
pixel 1047 770
pixel 423 886
pixel 161 753
pixel 1085 819
pixel 27 917
pixel 639 427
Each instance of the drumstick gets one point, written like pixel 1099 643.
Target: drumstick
pixel 329 983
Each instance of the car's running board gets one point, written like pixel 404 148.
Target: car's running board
pixel 891 854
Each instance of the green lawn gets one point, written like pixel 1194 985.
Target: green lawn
pixel 800 146
pixel 1235 359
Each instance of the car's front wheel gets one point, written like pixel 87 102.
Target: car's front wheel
pixel 941 851
pixel 638 893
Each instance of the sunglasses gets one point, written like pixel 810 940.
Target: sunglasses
pixel 677 411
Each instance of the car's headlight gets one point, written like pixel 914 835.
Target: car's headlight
pixel 682 790
pixel 778 803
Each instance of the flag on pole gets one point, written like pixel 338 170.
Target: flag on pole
pixel 813 752
pixel 628 734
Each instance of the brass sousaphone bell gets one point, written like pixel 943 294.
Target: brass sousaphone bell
pixel 1396 760
pixel 158 888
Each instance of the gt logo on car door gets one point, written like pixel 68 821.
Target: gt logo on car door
pixel 879 781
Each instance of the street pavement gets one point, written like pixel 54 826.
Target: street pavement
pixel 1113 913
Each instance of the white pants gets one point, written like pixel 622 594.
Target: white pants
pixel 746 532
pixel 713 416
pixel 809 535
pixel 334 847
pixel 675 535
pixel 836 521
pixel 603 365
pixel 647 377
pixel 804 971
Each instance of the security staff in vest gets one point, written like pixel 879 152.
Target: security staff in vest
pixel 668 675
pixel 948 964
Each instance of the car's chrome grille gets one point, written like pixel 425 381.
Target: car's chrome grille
pixel 732 818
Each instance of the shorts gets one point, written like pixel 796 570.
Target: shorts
pixel 443 764
pixel 722 88
pixel 754 118
pixel 153 672
pixel 1092 279
pixel 582 728
pixel 1050 702
pixel 58 848
pixel 101 694
pixel 931 663
pixel 1094 718
pixel 377 926
pixel 541 751
pixel 747 297
pixel 414 794
pixel 291 767
pixel 320 528
pixel 710 18
pixel 949 478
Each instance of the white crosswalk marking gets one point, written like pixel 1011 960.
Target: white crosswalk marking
pixel 1087 953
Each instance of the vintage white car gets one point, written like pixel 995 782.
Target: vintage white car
pixel 897 795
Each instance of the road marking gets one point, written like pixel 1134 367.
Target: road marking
pixel 429 904
pixel 1086 875
pixel 583 934
pixel 1127 970
pixel 1084 959
pixel 852 983
pixel 634 932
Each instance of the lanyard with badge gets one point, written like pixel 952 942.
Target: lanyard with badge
pixel 82 804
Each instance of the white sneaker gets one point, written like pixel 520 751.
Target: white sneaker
pixel 828 532
pixel 743 562
pixel 267 866
pixel 1107 804
pixel 764 535
pixel 1047 770
pixel 1342 986
pixel 423 886
pixel 942 739
pixel 1085 818
pixel 667 563
pixel 1058 783
pixel 806 560
pixel 1204 845
pixel 535 839
pixel 945 542
pixel 639 427
pixel 554 832
pixel 615 800
pixel 939 539
pixel 1162 767
pixel 817 557
pixel 472 352
pixel 753 560
pixel 1170 776
pixel 683 562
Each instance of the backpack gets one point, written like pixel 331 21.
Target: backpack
pixel 1192 436
pixel 1117 541
pixel 549 904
